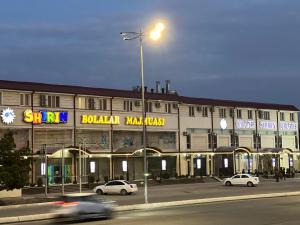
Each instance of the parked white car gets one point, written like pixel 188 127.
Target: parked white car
pixel 116 187
pixel 241 179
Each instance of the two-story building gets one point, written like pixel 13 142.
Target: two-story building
pixel 85 131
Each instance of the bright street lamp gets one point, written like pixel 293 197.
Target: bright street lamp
pixel 155 34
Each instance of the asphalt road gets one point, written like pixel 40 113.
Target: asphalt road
pixel 173 193
pixel 274 211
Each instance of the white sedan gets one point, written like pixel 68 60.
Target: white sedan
pixel 241 179
pixel 116 187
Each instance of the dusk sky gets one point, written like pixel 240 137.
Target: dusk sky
pixel 226 49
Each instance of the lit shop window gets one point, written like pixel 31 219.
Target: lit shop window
pixel 92 166
pixel 198 163
pixel 291 161
pixel 43 169
pixel 124 166
pixel 164 164
pixel 225 163
pixel 273 162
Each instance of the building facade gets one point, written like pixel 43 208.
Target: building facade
pixel 85 131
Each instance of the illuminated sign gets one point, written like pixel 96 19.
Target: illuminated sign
pixel 149 121
pixel 44 116
pixel 8 116
pixel 268 125
pixel 287 126
pixel 104 120
pixel 245 124
pixel 223 124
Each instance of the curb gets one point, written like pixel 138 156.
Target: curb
pixel 46 216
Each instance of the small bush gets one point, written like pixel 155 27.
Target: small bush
pixel 165 176
pixel 106 179
pixel 91 179
pixel 121 177
pixel 39 182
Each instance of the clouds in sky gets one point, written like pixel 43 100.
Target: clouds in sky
pixel 233 49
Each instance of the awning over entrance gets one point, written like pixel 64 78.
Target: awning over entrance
pixel 137 150
pixel 276 150
pixel 231 150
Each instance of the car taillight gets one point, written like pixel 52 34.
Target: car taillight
pixel 65 203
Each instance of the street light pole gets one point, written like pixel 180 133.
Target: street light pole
pixel 155 35
pixel 143 119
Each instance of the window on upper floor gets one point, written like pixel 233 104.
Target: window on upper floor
pixel 205 111
pixel 282 116
pixel 191 111
pixel 81 103
pixel 292 118
pixel 24 99
pixel 250 114
pixel 148 106
pixel 1 96
pixel 239 113
pixel 168 108
pixel 103 104
pixel 91 103
pixel 222 112
pixel 50 101
pixel 127 105
pixel 231 113
pixel 296 142
pixel 264 115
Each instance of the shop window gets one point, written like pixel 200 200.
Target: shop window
pixel 239 113
pixel 205 112
pixel 198 162
pixel 168 108
pixel 281 116
pixel 148 106
pixel 103 104
pixel 164 165
pixel 292 118
pixel 250 114
pixel 191 111
pixel 24 99
pixel 127 105
pixel 222 113
pixel 124 166
pixel 43 169
pixel 92 166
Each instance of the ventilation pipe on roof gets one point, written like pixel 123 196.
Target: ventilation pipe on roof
pixel 168 86
pixel 157 87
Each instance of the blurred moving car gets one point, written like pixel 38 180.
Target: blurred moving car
pixel 116 187
pixel 83 206
pixel 241 179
